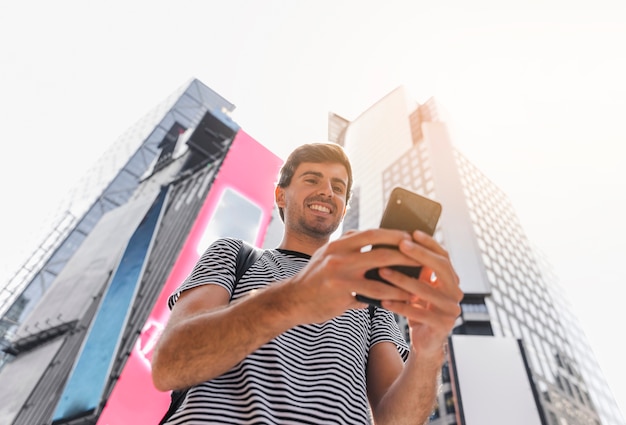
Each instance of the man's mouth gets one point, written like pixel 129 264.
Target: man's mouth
pixel 320 208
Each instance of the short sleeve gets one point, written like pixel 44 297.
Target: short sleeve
pixel 216 266
pixel 386 329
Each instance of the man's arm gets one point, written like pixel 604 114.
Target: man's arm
pixel 405 394
pixel 402 393
pixel 204 336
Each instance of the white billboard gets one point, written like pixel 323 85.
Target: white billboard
pixel 492 383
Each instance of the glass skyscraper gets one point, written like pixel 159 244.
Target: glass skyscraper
pixel 511 293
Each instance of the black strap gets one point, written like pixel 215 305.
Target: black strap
pixel 246 257
pixel 176 399
pixel 372 310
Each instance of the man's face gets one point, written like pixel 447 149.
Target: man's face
pixel 314 203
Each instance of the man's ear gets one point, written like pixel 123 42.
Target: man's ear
pixel 279 197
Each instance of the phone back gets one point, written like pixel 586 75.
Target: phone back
pixel 406 211
pixel 410 211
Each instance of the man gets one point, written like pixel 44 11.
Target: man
pixel 291 344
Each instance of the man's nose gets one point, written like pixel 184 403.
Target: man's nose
pixel 326 189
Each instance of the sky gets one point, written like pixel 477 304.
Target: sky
pixel 534 94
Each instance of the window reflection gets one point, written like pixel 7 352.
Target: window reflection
pixel 235 216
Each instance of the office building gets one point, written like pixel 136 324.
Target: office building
pixel 517 355
pixel 79 324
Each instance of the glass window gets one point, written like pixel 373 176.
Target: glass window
pixel 497 329
pixel 534 360
pixel 553 419
pixel 449 400
pixel 445 373
pixel 486 260
pixel 235 216
pixel 515 327
pixel 497 297
pixel 504 319
pixel 508 304
pixel 568 386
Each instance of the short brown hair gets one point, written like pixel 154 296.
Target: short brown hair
pixel 316 152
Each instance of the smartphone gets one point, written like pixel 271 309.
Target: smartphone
pixel 406 211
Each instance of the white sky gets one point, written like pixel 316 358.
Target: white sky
pixel 535 94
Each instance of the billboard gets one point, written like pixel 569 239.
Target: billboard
pixel 239 204
pixel 492 382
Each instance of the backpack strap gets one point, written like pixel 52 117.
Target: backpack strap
pixel 246 257
pixel 372 310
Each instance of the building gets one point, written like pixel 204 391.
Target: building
pixel 78 322
pixel 517 356
pixel 78 325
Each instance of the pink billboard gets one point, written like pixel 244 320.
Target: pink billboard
pixel 243 186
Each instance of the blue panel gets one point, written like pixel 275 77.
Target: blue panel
pixel 83 392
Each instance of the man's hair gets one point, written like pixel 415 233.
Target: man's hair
pixel 316 152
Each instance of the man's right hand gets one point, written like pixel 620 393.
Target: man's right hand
pixel 325 288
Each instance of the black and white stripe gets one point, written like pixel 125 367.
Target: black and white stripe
pixel 311 374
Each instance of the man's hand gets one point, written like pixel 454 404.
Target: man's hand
pixel 325 288
pixel 433 306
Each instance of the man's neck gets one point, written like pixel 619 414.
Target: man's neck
pixel 302 243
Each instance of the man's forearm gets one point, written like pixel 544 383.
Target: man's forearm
pixel 412 397
pixel 208 344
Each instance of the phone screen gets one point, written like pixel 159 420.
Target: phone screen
pixel 406 211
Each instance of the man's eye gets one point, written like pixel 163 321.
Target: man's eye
pixel 338 189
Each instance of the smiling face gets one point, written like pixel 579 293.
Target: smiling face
pixel 314 203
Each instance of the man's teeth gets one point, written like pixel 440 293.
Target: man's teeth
pixel 320 208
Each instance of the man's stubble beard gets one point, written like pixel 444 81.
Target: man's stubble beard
pixel 310 227
pixel 319 231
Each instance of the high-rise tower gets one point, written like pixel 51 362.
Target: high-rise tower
pixel 80 323
pixel 515 323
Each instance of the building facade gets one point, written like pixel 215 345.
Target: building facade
pixel 78 322
pixel 79 325
pixel 511 298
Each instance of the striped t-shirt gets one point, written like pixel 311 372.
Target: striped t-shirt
pixel 310 374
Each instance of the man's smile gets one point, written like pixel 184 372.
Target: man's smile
pixel 320 208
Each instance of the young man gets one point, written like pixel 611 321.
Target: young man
pixel 292 344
